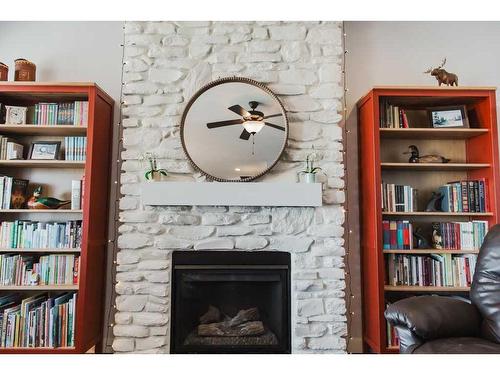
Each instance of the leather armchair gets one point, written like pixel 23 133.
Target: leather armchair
pixel 436 324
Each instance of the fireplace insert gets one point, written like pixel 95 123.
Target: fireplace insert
pixel 230 302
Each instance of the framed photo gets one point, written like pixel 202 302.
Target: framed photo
pixel 449 117
pixel 44 150
pixel 15 115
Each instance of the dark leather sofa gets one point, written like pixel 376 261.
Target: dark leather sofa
pixel 436 324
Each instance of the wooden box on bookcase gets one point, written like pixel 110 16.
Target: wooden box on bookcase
pixel 57 175
pixel 474 154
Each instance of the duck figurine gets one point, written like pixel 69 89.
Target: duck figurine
pixel 416 158
pixel 36 202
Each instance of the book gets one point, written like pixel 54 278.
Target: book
pixel 69 113
pixel 398 198
pixel 397 235
pixel 19 193
pixel 76 194
pixel 75 148
pixel 39 321
pixel 431 270
pixel 14 151
pixel 464 196
pixel 53 269
pixel 27 234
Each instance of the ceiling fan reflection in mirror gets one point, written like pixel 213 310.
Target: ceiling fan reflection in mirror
pixel 252 120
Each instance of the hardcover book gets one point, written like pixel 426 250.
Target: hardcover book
pixel 19 193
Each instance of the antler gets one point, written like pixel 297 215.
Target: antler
pixel 442 64
pixel 428 71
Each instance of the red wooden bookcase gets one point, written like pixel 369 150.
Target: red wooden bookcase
pixel 478 150
pixel 94 212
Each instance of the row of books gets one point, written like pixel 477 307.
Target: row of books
pixel 75 148
pixel 26 234
pixel 13 192
pixel 10 150
pixel 392 116
pixel 433 270
pixel 397 234
pixel 74 113
pixel 53 269
pixel 461 235
pixel 465 196
pixel 39 321
pixel 398 198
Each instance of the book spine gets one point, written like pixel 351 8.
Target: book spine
pixel 76 190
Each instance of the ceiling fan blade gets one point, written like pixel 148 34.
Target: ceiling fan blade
pixel 245 135
pixel 275 115
pixel 275 126
pixel 239 110
pixel 218 124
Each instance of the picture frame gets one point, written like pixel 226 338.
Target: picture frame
pixel 449 117
pixel 15 115
pixel 44 150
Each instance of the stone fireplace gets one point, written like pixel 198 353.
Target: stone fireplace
pixel 165 63
pixel 230 302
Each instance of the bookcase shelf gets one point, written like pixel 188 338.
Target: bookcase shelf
pixel 55 177
pixel 474 156
pixel 38 287
pixel 42 250
pixel 63 350
pixel 42 164
pixel 49 130
pixel 406 288
pixel 411 167
pixel 431 133
pixel 437 213
pixel 49 211
pixel 429 251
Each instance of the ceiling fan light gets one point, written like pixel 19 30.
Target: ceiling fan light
pixel 253 126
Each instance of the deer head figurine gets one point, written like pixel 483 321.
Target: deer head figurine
pixel 442 76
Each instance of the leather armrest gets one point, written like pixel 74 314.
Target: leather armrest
pixel 432 317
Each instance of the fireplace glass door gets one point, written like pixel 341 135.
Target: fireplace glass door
pixel 230 302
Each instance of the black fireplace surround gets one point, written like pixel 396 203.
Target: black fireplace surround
pixel 230 302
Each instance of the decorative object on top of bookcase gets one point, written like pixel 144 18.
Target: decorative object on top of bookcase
pixel 449 117
pixel 44 150
pixel 382 140
pixel 434 204
pixel 416 158
pixel 25 70
pixel 153 173
pixel 309 173
pixel 442 76
pixel 4 72
pixel 36 202
pixel 15 115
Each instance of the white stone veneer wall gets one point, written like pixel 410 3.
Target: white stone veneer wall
pixel 165 63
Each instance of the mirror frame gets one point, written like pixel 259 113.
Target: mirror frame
pixel 222 81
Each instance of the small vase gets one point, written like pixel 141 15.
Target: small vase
pixel 155 177
pixel 309 178
pixel 25 70
pixel 4 72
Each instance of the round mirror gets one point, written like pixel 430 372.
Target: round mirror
pixel 234 129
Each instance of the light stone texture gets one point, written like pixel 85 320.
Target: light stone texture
pixel 165 64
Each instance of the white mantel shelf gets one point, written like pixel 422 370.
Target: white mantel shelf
pixel 276 194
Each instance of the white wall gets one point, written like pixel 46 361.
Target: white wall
pixel 67 51
pixel 386 53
